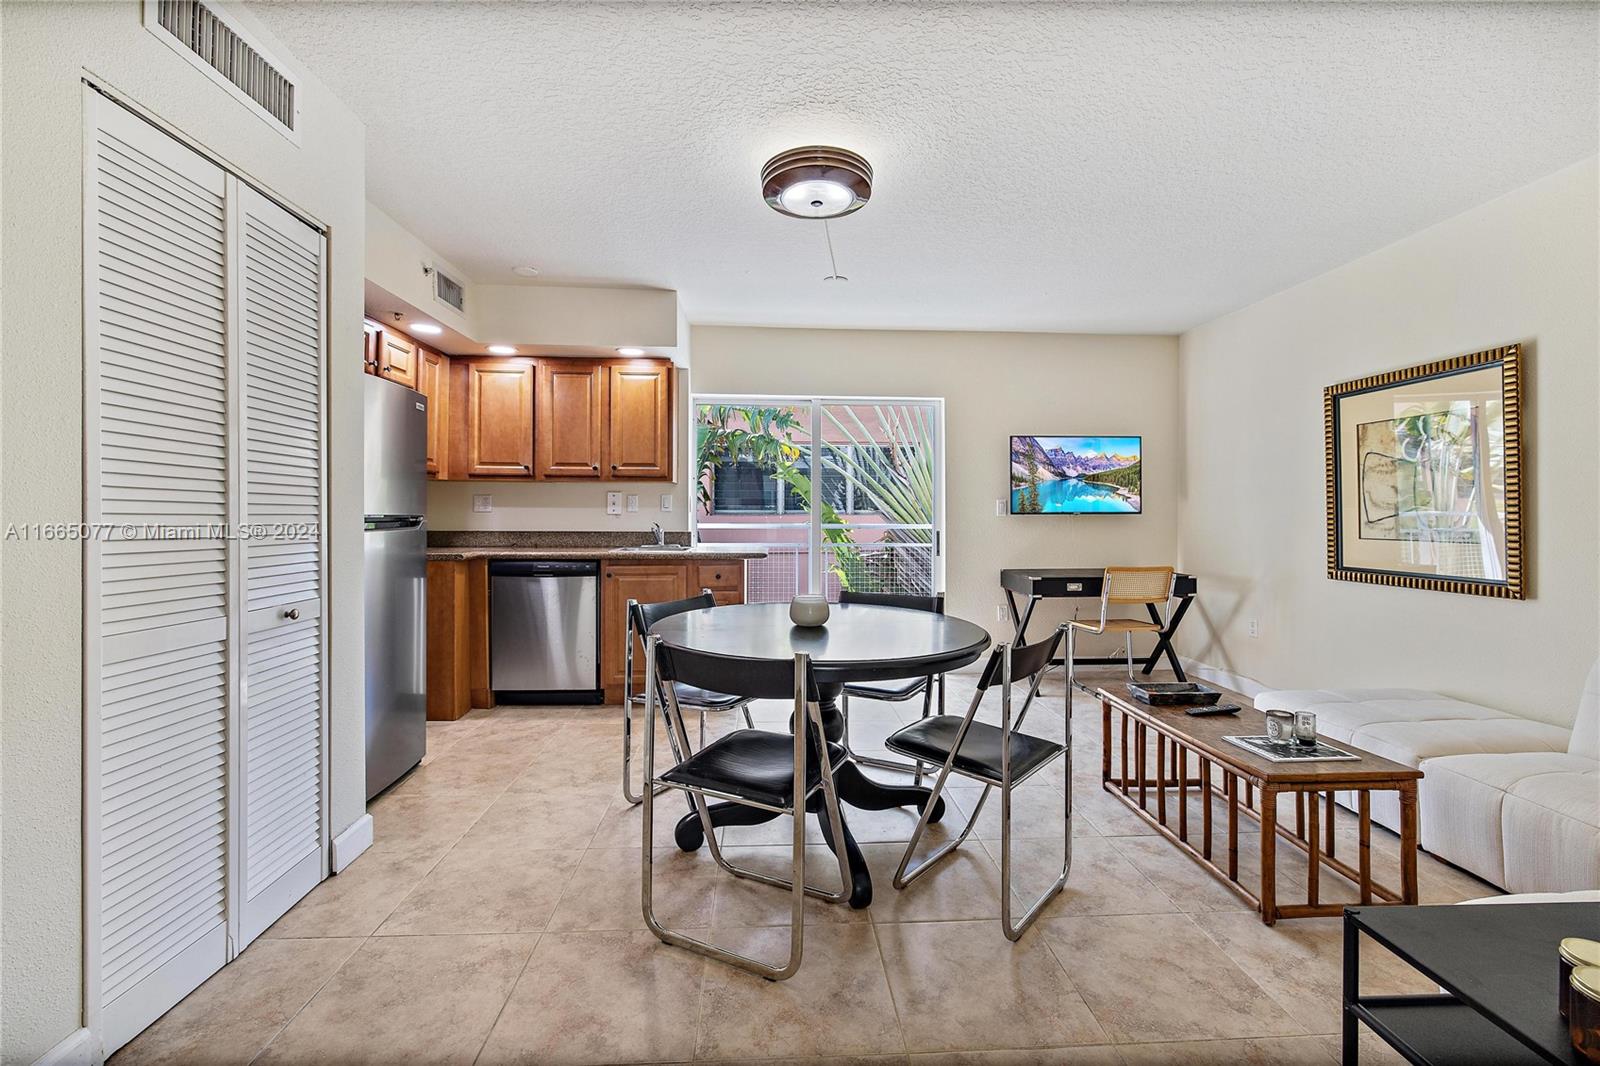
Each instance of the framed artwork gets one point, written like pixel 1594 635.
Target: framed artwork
pixel 1424 476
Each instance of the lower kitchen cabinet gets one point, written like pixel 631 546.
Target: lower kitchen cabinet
pixel 458 622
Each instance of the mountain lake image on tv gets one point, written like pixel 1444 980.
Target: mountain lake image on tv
pixel 1075 475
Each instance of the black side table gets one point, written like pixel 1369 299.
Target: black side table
pixel 1498 965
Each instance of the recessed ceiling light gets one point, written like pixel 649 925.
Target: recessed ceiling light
pixel 426 327
pixel 816 182
pixel 630 352
pixel 502 349
pixel 525 271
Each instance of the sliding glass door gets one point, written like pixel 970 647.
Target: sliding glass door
pixel 842 492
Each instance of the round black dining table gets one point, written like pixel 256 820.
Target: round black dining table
pixel 859 643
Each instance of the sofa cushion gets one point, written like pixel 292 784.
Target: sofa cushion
pixel 1582 895
pixel 1412 742
pixel 1586 726
pixel 1525 822
pixel 1551 827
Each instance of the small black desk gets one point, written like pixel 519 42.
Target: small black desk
pixel 1048 583
pixel 1498 963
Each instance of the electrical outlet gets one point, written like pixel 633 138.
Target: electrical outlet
pixel 1254 628
pixel 999 612
pixel 633 502
pixel 666 501
pixel 482 502
pixel 613 503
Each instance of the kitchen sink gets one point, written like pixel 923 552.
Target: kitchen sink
pixel 656 548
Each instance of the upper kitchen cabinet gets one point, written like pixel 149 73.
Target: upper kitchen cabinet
pixel 371 346
pixel 434 383
pixel 639 423
pixel 499 418
pixel 568 430
pixel 398 358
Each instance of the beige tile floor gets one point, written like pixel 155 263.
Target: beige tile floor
pixel 496 920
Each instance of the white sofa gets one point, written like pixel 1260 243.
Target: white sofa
pixel 1515 802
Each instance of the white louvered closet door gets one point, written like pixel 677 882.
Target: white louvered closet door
pixel 281 272
pixel 205 652
pixel 157 610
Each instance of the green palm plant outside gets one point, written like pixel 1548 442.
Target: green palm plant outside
pixel 892 469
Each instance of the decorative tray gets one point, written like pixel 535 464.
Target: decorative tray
pixel 1292 751
pixel 1172 693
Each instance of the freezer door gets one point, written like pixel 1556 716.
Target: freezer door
pixel 396 449
pixel 396 599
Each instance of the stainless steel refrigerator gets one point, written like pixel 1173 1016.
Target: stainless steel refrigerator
pixel 394 552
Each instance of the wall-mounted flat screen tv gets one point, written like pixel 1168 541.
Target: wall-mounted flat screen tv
pixel 1075 475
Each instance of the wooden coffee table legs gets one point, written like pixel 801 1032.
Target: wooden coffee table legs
pixel 1181 767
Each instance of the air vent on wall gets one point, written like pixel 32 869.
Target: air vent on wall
pixel 225 53
pixel 449 291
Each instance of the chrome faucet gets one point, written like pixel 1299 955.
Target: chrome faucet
pixel 660 537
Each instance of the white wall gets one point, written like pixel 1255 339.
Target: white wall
pixel 993 385
pixel 47 50
pixel 1521 268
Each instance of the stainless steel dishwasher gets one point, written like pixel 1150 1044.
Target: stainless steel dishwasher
pixel 544 631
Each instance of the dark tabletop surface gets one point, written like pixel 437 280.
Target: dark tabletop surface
pixel 1071 581
pixel 861 642
pixel 1500 958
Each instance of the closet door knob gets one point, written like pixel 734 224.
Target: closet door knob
pixel 292 614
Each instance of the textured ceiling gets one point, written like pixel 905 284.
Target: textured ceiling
pixel 1039 166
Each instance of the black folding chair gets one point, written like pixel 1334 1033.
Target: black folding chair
pixel 641 616
pixel 892 691
pixel 1000 757
pixel 770 771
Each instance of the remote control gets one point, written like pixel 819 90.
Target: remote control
pixel 1216 708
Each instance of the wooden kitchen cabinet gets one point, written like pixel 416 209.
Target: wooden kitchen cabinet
pixel 499 418
pixel 398 358
pixel 371 346
pixel 434 383
pixel 569 410
pixel 449 642
pixel 619 583
pixel 639 421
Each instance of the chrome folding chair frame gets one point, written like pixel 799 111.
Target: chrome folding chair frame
pixel 631 698
pixel 904 876
pixel 804 711
pixel 916 770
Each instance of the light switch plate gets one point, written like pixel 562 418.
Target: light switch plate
pixel 482 502
pixel 999 508
pixel 613 503
pixel 666 501
pixel 633 502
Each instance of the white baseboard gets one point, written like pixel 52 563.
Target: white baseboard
pixel 78 1049
pixel 1248 686
pixel 348 845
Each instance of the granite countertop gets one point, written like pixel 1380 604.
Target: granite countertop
pixel 700 553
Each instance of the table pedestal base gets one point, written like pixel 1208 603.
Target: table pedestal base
pixel 855 789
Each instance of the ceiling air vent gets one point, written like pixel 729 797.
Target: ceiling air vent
pixel 449 291
pixel 224 52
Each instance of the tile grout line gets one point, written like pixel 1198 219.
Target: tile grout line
pixel 883 964
pixel 325 982
pixel 511 990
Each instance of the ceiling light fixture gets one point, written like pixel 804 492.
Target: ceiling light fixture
pixel 630 352
pixel 426 327
pixel 525 271
pixel 502 349
pixel 816 182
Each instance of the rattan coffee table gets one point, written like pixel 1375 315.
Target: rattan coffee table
pixel 1192 756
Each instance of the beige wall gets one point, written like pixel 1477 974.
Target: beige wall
pixel 47 50
pixel 1521 268
pixel 993 385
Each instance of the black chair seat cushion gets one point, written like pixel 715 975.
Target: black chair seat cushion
pixel 751 763
pixel 931 739
pixel 890 691
pixel 690 696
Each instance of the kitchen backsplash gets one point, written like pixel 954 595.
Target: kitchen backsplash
pixel 548 505
pixel 568 538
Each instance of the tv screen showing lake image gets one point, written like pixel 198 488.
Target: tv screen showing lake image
pixel 1075 475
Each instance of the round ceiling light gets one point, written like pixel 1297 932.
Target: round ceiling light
pixel 816 182
pixel 525 271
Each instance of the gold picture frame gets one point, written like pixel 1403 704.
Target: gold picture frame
pixel 1424 476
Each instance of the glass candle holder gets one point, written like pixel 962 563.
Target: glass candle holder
pixel 1572 953
pixel 1583 1012
pixel 1305 727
